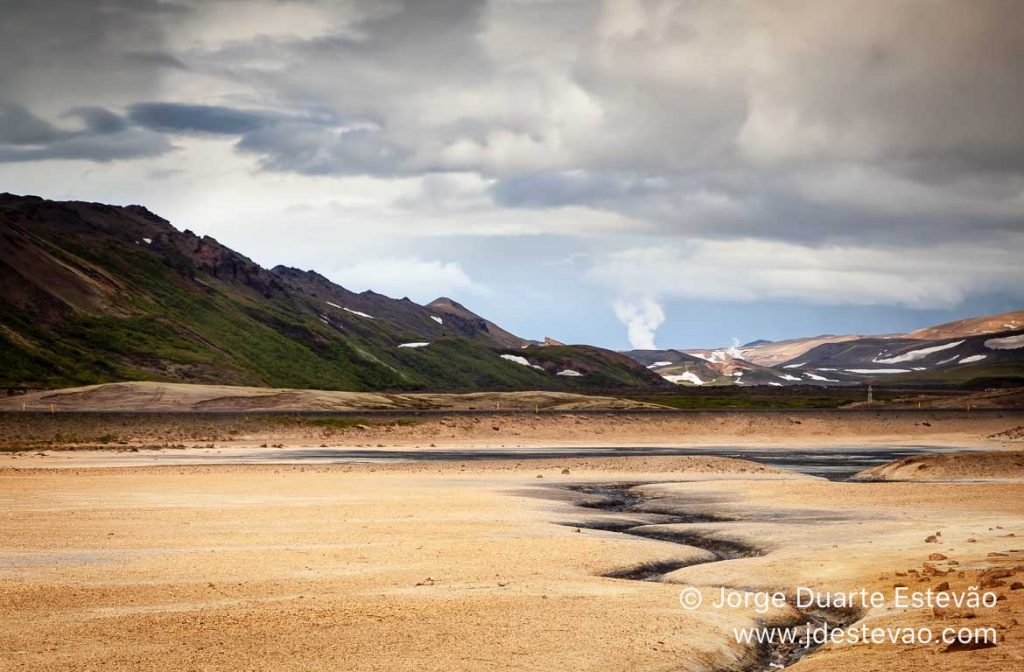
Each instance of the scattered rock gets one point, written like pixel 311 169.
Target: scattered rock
pixel 936 556
pixel 993 578
pixel 942 586
pixel 931 539
pixel 1016 585
pixel 565 471
pixel 971 645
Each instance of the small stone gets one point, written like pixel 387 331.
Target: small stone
pixel 936 556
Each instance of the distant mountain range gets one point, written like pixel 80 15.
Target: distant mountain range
pixel 977 351
pixel 94 293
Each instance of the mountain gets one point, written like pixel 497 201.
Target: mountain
pixel 972 326
pixel 997 356
pixel 704 367
pixel 766 353
pixel 93 293
pixel 978 351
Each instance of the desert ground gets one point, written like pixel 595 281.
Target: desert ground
pixel 122 550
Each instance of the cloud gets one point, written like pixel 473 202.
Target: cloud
pixel 750 270
pixel 851 152
pixel 313 148
pixel 182 118
pixel 642 317
pixel 420 279
pixel 103 137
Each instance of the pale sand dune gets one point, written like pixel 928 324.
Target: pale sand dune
pixel 150 396
pixel 957 466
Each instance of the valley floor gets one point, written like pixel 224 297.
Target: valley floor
pixel 486 564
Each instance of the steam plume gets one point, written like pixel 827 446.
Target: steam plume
pixel 642 318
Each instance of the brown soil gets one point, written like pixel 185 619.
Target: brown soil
pixel 181 397
pixel 957 466
pixel 446 566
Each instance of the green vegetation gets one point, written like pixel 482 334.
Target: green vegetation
pixel 166 319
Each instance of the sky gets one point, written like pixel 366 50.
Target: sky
pixel 628 173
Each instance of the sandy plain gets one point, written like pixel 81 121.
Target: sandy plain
pixel 485 564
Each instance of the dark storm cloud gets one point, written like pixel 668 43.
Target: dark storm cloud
pixel 557 189
pixel 64 53
pixel 103 136
pixel 181 118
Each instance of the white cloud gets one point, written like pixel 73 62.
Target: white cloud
pixel 419 279
pixel 751 270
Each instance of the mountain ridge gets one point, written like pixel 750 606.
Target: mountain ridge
pixel 93 293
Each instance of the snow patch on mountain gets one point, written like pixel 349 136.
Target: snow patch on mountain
pixel 915 355
pixel 685 377
pixel 522 360
pixel 414 345
pixel 1005 343
pixel 570 373
pixel 874 371
pixel 437 319
pixel 972 359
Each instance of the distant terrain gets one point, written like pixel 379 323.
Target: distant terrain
pixel 179 397
pixel 975 352
pixel 92 293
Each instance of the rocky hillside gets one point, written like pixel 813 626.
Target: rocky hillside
pixel 976 351
pixel 93 293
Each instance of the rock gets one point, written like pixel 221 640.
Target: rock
pixel 540 475
pixel 942 586
pixel 971 645
pixel 936 556
pixel 1016 585
pixel 993 578
pixel 997 554
pixel 972 540
pixel 931 539
pixel 565 471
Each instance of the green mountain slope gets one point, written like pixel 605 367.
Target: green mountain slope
pixel 95 293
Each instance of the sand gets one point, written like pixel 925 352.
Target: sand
pixel 182 397
pixel 1008 465
pixel 443 566
pixel 476 565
